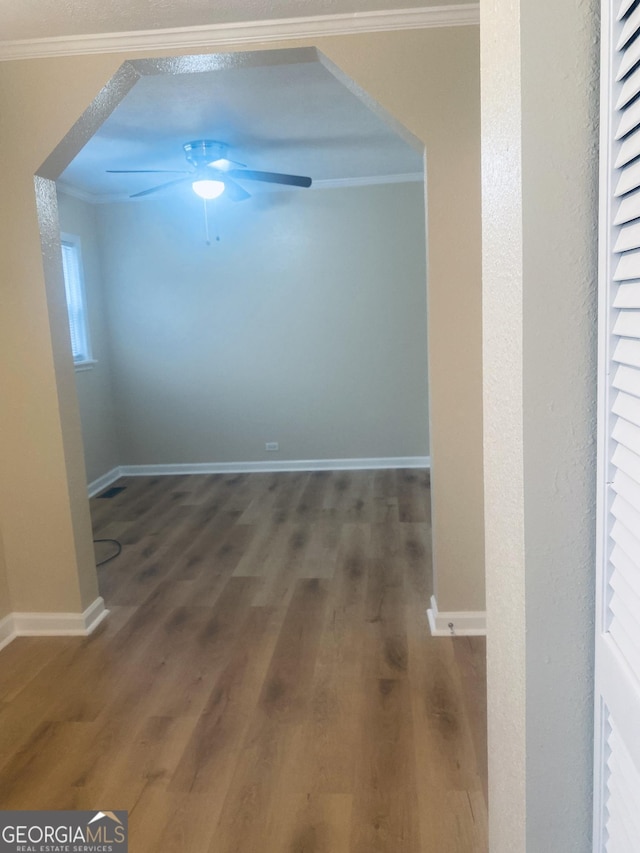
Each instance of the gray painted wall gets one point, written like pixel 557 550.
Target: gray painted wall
pixel 95 396
pixel 305 325
pixel 539 95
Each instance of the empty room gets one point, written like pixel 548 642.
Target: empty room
pixel 526 117
pixel 259 392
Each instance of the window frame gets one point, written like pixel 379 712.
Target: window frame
pixel 86 360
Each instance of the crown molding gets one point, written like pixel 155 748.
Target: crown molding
pixel 76 192
pixel 252 32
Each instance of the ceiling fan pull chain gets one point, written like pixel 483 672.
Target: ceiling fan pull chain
pixel 206 222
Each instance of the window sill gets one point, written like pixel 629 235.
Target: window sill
pixel 84 365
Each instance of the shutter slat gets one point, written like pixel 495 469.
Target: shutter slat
pixel 618 631
pixel 627 379
pixel 628 267
pixel 629 90
pixel 628 771
pixel 628 238
pixel 629 59
pixel 628 436
pixel 630 148
pixel 617 842
pixel 622 767
pixel 627 461
pixel 629 543
pixel 627 295
pixel 624 627
pixel 627 351
pixel 625 809
pixel 624 624
pixel 630 28
pixel 629 178
pixel 626 567
pixel 627 324
pixel 626 514
pixel 625 5
pixel 621 824
pixel 629 596
pixel 621 803
pixel 628 208
pixel 627 407
pixel 627 120
pixel 627 489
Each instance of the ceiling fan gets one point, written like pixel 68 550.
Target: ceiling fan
pixel 212 173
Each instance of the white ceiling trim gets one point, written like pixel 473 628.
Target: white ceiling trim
pixel 75 192
pixel 328 183
pixel 243 33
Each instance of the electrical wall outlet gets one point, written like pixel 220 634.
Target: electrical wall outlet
pixel 272 445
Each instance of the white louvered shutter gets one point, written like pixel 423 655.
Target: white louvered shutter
pixel 617 741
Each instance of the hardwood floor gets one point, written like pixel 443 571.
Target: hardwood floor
pixel 266 681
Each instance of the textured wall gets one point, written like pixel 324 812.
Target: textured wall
pixel 97 410
pixel 502 242
pixel 305 324
pixel 539 263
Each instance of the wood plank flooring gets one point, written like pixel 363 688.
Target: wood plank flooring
pixel 266 681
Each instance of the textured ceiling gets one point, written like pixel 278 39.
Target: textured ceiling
pixel 36 19
pixel 294 117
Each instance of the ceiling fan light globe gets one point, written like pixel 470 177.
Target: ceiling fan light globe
pixel 207 188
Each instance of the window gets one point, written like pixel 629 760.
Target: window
pixel 76 305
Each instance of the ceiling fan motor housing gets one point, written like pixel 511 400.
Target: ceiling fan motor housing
pixel 202 152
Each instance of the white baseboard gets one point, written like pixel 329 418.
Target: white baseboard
pixel 52 624
pixel 103 482
pixel 462 623
pixel 271 465
pixel 276 465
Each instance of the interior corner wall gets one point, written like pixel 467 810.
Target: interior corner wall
pixel 305 324
pixel 94 385
pixel 540 144
pixel 428 80
pixel 5 598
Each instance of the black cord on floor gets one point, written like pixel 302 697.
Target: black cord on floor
pixel 113 556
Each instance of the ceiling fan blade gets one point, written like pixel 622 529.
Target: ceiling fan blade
pixel 147 172
pixel 223 164
pixel 160 187
pixel 270 177
pixel 233 190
